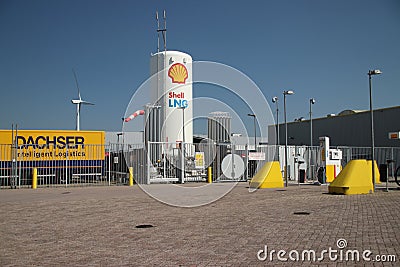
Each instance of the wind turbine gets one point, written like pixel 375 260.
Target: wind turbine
pixel 78 102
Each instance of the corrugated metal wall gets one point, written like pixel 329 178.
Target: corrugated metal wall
pixel 345 130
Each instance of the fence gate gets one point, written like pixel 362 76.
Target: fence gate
pixel 174 163
pixel 229 164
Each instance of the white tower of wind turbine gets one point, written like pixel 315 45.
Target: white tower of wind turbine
pixel 78 102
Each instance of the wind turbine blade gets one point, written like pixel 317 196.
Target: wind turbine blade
pixel 77 84
pixel 86 103
pixel 78 102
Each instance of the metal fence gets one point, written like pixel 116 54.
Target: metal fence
pixel 382 154
pixel 77 166
pixel 228 162
pixel 164 163
pixel 312 159
pixel 172 162
pixel 120 158
pixel 55 167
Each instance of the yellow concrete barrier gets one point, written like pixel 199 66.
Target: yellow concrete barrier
pixel 130 176
pixel 354 179
pixel 377 173
pixel 34 178
pixel 269 176
pixel 209 175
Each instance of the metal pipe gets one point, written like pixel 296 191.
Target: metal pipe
pixel 277 122
pixel 372 132
pixel 284 110
pixel 255 130
pixel 286 158
pixel 312 101
pixel 370 73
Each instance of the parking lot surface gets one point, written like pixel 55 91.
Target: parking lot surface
pixel 123 226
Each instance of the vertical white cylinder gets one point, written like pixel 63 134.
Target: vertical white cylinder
pixel 172 90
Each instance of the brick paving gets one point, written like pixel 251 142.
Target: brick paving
pixel 96 226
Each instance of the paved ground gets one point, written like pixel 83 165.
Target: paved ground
pixel 98 226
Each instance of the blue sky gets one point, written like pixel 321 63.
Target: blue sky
pixel 321 49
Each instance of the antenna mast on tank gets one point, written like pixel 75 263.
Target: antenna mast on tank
pixel 162 31
pixel 158 33
pixel 153 111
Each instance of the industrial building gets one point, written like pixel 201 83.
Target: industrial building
pixel 348 128
pixel 219 126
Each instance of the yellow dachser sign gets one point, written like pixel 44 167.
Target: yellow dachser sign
pixel 28 145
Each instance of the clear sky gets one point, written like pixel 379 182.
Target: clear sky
pixel 318 48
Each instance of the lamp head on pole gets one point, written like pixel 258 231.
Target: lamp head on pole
pixel 312 101
pixel 274 99
pixel 288 92
pixel 251 115
pixel 374 72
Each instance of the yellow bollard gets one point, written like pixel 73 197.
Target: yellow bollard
pixel 130 176
pixel 34 178
pixel 209 175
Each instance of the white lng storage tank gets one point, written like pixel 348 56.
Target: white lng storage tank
pixel 171 90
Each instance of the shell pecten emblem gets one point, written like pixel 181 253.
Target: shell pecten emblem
pixel 178 73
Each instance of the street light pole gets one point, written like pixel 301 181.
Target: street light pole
pixel 275 100
pixel 312 102
pixel 255 130
pixel 370 73
pixel 183 125
pixel 183 146
pixel 284 111
pixel 119 145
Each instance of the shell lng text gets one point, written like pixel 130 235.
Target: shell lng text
pixel 177 100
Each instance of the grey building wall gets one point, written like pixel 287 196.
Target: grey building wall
pixel 128 138
pixel 343 130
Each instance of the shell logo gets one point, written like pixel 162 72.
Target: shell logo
pixel 178 73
